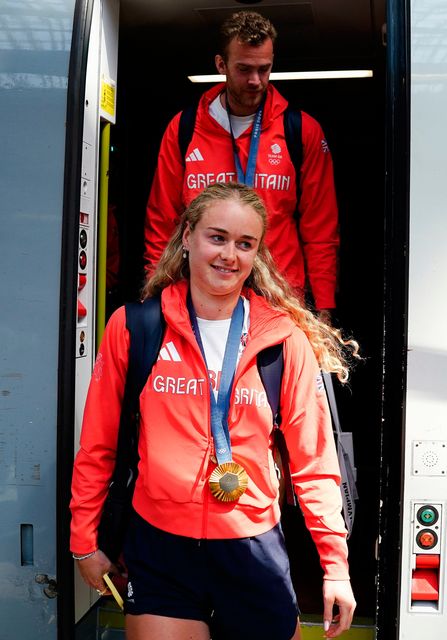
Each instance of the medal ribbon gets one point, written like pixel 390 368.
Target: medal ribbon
pixel 249 177
pixel 220 407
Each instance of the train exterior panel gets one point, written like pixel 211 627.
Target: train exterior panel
pixel 35 47
pixel 422 603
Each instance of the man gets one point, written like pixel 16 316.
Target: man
pixel 303 237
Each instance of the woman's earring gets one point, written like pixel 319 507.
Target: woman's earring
pixel 185 253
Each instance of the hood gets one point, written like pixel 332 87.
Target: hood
pixel 275 105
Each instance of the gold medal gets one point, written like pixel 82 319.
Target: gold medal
pixel 228 481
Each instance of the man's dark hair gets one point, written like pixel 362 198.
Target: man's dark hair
pixel 248 27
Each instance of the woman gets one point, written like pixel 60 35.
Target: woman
pixel 205 551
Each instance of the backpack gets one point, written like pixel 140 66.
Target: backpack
pixel 292 132
pixel 145 323
pixel 270 363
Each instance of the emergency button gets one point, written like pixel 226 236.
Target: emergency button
pixel 427 539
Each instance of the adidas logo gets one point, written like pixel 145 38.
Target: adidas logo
pixel 169 353
pixel 194 156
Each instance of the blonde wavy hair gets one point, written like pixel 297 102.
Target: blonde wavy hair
pixel 333 353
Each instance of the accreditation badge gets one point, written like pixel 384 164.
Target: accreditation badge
pixel 228 481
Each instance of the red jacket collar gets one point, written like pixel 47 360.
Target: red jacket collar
pixel 275 104
pixel 267 325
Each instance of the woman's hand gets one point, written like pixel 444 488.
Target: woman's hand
pixel 337 592
pixel 92 570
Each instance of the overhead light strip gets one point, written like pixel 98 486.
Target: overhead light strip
pixel 296 75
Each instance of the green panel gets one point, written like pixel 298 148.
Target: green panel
pixel 110 616
pixel 355 633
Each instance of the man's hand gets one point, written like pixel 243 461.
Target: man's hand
pixel 337 592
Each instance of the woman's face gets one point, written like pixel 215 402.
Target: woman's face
pixel 222 247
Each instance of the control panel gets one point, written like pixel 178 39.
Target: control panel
pixel 427 557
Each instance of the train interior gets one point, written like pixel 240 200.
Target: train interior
pixel 161 43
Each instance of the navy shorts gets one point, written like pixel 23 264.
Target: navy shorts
pixel 240 587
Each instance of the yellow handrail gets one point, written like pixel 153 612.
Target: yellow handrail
pixel 102 233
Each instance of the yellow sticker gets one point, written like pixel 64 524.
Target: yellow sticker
pixel 108 98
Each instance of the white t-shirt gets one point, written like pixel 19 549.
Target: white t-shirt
pixel 214 335
pixel 238 123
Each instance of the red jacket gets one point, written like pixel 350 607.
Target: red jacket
pixel 177 182
pixel 172 491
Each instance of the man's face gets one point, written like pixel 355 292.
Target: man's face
pixel 247 68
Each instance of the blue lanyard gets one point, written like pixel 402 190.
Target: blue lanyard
pixel 249 177
pixel 220 407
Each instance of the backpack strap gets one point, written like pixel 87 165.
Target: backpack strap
pixel 270 363
pixel 294 141
pixel 145 323
pixel 186 128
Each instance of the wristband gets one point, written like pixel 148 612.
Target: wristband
pixel 87 555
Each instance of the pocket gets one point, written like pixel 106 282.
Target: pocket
pixel 269 554
pixel 173 449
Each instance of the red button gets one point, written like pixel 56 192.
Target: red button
pixel 82 311
pixel 427 561
pixel 427 539
pixel 82 259
pixel 425 585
